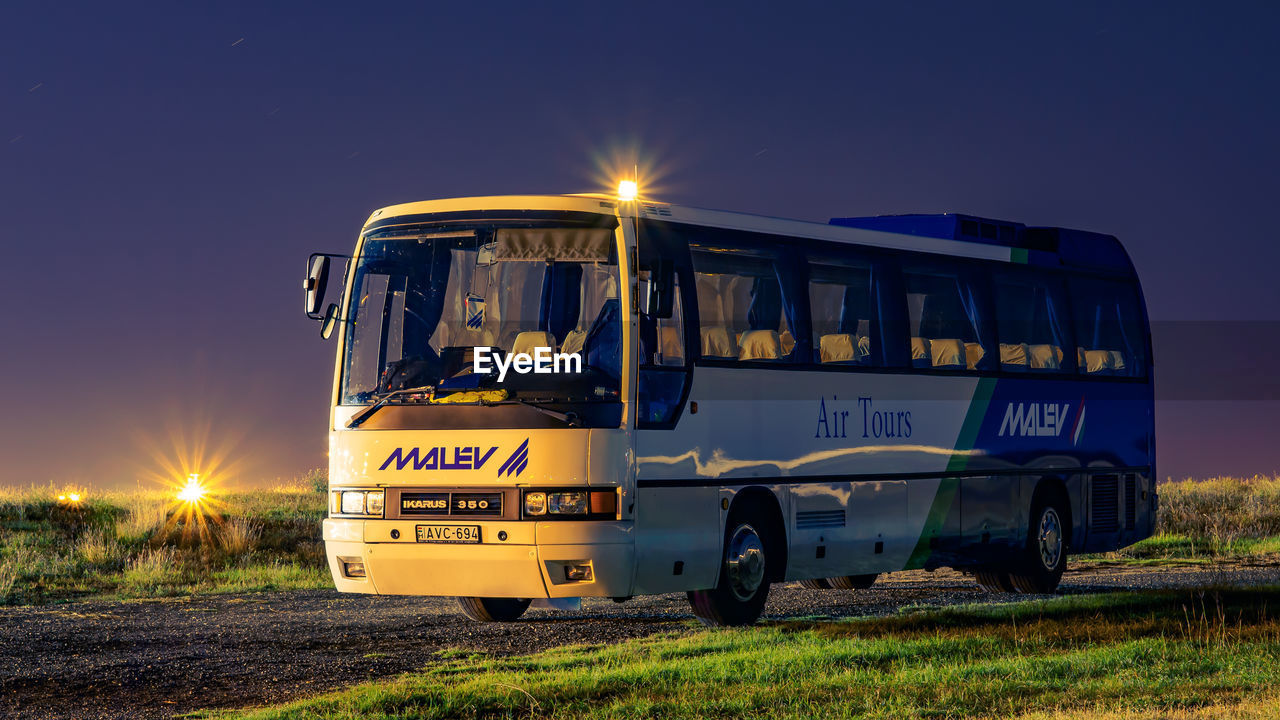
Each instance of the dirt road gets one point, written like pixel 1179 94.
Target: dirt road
pixel 158 658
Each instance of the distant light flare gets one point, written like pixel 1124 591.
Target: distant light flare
pixel 193 470
pixel 71 497
pixel 627 190
pixel 193 491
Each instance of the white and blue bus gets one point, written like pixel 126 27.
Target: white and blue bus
pixel 554 397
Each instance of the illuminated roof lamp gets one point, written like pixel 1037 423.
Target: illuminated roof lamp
pixel 627 191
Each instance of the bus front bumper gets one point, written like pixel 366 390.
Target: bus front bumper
pixel 396 564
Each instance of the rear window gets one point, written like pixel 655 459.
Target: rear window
pixel 1108 324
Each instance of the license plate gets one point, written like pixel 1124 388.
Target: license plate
pixel 449 533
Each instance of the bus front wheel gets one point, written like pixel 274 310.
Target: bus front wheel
pixel 739 596
pixel 493 609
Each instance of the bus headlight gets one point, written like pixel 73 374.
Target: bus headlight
pixel 567 503
pixel 535 503
pixel 368 503
pixel 353 502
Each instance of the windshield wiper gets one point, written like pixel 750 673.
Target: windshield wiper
pixel 364 414
pixel 570 418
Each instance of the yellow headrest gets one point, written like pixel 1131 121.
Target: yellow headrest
pixel 836 348
pixel 715 343
pixel 760 345
pixel 947 351
pixel 1045 357
pixel 530 340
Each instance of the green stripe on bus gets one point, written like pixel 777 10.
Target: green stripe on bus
pixel 1018 255
pixel 948 487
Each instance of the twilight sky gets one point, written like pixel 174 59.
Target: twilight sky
pixel 166 168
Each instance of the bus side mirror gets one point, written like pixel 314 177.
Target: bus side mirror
pixel 330 321
pixel 314 286
pixel 659 300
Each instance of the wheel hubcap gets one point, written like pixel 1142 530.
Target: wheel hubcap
pixel 1050 538
pixel 744 562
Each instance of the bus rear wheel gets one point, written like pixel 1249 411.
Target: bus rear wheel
pixel 853 582
pixel 739 596
pixel 1045 556
pixel 816 584
pixel 994 581
pixel 493 609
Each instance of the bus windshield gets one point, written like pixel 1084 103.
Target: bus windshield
pixel 520 311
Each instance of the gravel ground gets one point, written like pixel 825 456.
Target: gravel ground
pixel 157 658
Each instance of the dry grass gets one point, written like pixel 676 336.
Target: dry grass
pixel 144 543
pixel 238 535
pixel 1222 509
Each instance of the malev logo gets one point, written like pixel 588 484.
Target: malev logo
pixel 1034 419
pixel 457 458
pixel 518 461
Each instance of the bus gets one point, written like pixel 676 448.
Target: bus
pixel 546 398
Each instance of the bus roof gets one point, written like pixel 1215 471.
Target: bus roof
pixel 945 233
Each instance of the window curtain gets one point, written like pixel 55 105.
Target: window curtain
pixel 1056 306
pixel 427 306
pixel 977 308
pixel 561 299
pixel 889 327
pixel 790 279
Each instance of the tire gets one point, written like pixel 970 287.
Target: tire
pixel 994 581
pixel 743 587
pixel 1045 558
pixel 493 609
pixel 853 582
pixel 816 584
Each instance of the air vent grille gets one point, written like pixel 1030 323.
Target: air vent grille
pixel 1106 501
pixel 806 519
pixel 1130 501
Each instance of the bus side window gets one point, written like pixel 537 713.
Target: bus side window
pixel 1032 321
pixel 743 311
pixel 1108 327
pixel 843 312
pixel 951 325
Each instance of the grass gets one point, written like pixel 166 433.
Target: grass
pixel 1204 654
pixel 1211 520
pixel 144 544
pixel 140 544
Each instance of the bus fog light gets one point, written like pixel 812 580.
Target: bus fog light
pixel 578 573
pixel 353 502
pixel 535 503
pixel 373 502
pixel 567 503
pixel 352 567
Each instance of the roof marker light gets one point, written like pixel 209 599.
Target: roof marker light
pixel 627 190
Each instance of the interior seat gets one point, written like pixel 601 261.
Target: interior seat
pixel 1014 356
pixel 671 345
pixel 920 353
pixel 947 352
pixel 1045 357
pixel 760 345
pixel 530 340
pixel 716 343
pixel 1096 361
pixel 574 341
pixel 973 354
